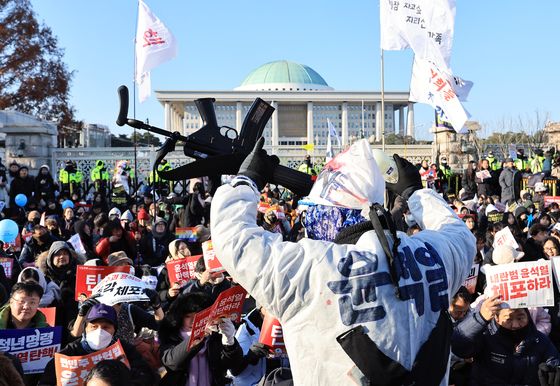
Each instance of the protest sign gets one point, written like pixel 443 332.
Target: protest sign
pixel 556 268
pixel 8 264
pixel 272 336
pixel 483 174
pixel 76 243
pixel 34 347
pixel 119 287
pixel 470 282
pixel 505 237
pixel 88 276
pixel 181 270
pixel 50 314
pixel 186 233
pixel 521 285
pixel 229 304
pixel 210 260
pixel 550 199
pixel 72 370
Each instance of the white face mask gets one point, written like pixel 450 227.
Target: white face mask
pixel 217 280
pixel 98 339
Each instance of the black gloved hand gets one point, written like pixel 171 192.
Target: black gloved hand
pixel 256 352
pixel 549 375
pixel 86 306
pixel 155 301
pixel 258 165
pixel 409 178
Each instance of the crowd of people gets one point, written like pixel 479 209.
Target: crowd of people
pixel 490 344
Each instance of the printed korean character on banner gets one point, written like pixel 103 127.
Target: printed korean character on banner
pixel 513 275
pixel 524 273
pixel 504 276
pixel 4 344
pixel 534 271
pixel 46 338
pixel 18 344
pixel 517 290
pixel 69 377
pixel 97 358
pixel 544 271
pixel 501 289
pixel 544 282
pixel 23 356
pixel 34 355
pixel 32 341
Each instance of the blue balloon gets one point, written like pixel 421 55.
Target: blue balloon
pixel 8 230
pixel 21 200
pixel 67 204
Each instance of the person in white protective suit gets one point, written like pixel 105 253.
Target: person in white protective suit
pixel 363 308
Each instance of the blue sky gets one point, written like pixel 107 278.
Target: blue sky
pixel 510 50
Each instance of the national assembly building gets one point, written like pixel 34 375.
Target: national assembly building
pixel 304 104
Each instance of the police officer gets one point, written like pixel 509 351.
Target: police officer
pixel 521 163
pixel 70 179
pixel 536 163
pixel 159 183
pixel 307 166
pixel 384 300
pixel 492 161
pixel 100 177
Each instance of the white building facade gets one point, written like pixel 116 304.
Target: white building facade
pixel 303 102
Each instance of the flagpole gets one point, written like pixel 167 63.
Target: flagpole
pixel 134 106
pixel 383 102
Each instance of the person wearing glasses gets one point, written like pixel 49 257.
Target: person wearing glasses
pixel 21 311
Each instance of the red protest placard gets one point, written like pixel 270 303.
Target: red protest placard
pixel 550 199
pixel 87 278
pixel 521 285
pixel 272 336
pixel 229 304
pixel 210 260
pixel 73 370
pixel 8 264
pixel 50 315
pixel 181 270
pixel 470 282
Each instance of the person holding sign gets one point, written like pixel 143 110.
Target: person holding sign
pixel 22 309
pixel 211 283
pixel 101 324
pixel 206 362
pixel 362 296
pixel 178 250
pixel 506 347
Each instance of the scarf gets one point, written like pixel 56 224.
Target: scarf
pixel 199 370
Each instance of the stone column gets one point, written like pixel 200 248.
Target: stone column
pixel 378 120
pixel 168 117
pixel 344 138
pixel 401 120
pixel 274 128
pixel 410 120
pixel 238 116
pixel 310 135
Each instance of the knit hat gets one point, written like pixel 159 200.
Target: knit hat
pixel 490 208
pixel 127 216
pixel 143 215
pixel 519 211
pixel 115 212
pixel 159 220
pixel 505 254
pixel 118 257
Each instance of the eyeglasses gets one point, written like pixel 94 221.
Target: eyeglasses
pixel 550 249
pixel 29 303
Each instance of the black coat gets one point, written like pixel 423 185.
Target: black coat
pixel 22 186
pixel 176 358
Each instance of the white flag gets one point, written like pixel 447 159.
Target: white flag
pixel 329 155
pixel 155 44
pixel 333 132
pixel 434 87
pixel 144 86
pixel 426 26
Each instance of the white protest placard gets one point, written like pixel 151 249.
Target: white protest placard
pixel 76 243
pixel 505 237
pixel 521 285
pixel 120 287
pixel 556 268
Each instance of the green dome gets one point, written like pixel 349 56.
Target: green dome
pixel 283 75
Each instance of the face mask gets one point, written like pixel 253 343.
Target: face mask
pixel 217 280
pixel 98 339
pixel 474 167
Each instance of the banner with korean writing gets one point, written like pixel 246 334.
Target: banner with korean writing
pixel 72 370
pixel 50 314
pixel 76 243
pixel 8 264
pixel 210 260
pixel 181 270
pixel 187 233
pixel 120 287
pixel 273 336
pixel 34 347
pixel 88 276
pixel 470 282
pixel 505 237
pixel 229 304
pixel 556 268
pixel 550 199
pixel 521 285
